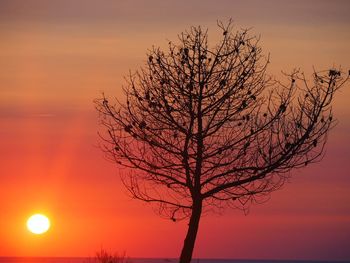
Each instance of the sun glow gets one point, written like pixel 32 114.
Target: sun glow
pixel 38 224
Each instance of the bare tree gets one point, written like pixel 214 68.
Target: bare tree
pixel 204 128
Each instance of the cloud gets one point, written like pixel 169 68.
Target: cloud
pixel 156 11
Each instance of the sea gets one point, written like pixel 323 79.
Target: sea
pixel 148 260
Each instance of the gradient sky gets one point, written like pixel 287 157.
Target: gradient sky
pixel 57 56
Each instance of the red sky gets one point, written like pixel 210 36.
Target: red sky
pixel 57 56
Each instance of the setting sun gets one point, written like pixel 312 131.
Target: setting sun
pixel 38 224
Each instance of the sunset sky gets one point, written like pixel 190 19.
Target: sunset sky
pixel 56 57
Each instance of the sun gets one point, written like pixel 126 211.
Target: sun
pixel 38 224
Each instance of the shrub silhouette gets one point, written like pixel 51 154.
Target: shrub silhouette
pixel 103 256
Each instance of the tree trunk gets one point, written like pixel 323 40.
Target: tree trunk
pixel 187 249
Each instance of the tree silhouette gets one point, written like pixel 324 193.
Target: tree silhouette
pixel 204 128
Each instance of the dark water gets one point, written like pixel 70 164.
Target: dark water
pixel 149 260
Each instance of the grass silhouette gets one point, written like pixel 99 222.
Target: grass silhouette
pixel 103 256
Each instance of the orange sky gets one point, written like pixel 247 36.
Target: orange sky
pixel 57 56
